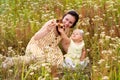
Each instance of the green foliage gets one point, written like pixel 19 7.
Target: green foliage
pixel 100 20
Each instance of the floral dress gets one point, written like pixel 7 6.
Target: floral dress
pixel 46 49
pixel 43 50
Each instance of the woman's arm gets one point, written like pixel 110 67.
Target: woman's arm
pixel 48 26
pixel 65 38
pixel 65 42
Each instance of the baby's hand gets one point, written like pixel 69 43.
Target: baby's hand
pixel 61 29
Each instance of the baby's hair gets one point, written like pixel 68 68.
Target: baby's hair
pixel 81 32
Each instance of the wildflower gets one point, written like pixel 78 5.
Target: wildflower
pixel 100 61
pixel 85 21
pixel 32 73
pixel 88 50
pixel 103 28
pixel 96 16
pixel 118 15
pixel 110 51
pixel 3 50
pixel 80 15
pixel 104 51
pixel 103 14
pixel 101 41
pixel 107 38
pixel 87 33
pixel 102 35
pixel 99 29
pixel 23 48
pixel 33 67
pixel 116 38
pixel 47 74
pixel 96 35
pixel 56 78
pixel 105 78
pixel 118 61
pixel 106 66
pixel 110 17
pixel 9 48
pixel 2 43
pixel 112 31
pixel 94 66
pixel 117 25
pixel 113 39
pixel 20 42
pixel 10 70
pixel 1 56
pixel 41 78
pixel 96 7
pixel 114 58
pixel 119 57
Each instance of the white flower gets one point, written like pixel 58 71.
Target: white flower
pixel 88 50
pixel 100 61
pixel 87 33
pixel 10 70
pixel 102 35
pixel 33 67
pixel 107 38
pixel 94 66
pixel 110 51
pixel 20 42
pixel 95 34
pixel 106 66
pixel 105 78
pixel 114 58
pixel 32 73
pixel 104 51
pixel 101 41
pixel 96 7
pixel 95 70
pixel 118 61
pixel 117 25
pixel 9 48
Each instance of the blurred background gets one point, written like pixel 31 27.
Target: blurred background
pixel 100 20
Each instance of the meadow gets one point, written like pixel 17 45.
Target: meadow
pixel 100 20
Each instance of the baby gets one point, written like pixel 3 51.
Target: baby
pixel 76 54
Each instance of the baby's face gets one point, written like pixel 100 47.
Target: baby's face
pixel 76 35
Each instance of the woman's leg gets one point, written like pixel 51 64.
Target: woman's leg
pixel 10 61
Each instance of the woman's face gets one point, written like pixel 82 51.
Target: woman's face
pixel 68 20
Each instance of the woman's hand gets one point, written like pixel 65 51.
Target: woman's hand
pixel 51 25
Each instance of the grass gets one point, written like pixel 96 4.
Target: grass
pixel 100 19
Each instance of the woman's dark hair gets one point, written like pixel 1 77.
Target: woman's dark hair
pixel 75 14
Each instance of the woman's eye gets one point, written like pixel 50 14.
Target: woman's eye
pixel 66 19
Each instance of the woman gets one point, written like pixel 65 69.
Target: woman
pixel 45 41
pixel 43 46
